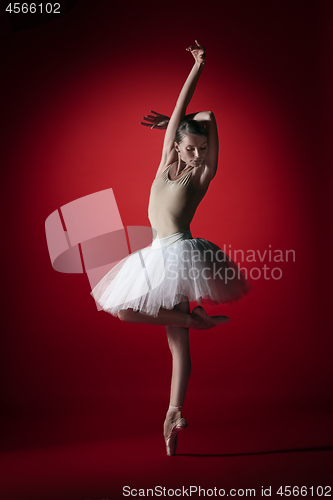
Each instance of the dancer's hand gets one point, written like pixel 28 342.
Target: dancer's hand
pixel 159 121
pixel 198 52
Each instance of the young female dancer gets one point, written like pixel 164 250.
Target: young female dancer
pixel 155 285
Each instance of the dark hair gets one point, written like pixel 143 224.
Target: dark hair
pixel 189 127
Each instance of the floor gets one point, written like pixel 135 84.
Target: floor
pixel 93 457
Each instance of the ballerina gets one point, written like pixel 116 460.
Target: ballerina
pixel 156 285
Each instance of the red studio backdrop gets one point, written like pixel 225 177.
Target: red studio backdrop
pixel 84 394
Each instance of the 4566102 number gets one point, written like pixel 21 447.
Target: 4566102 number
pixel 302 491
pixel 33 8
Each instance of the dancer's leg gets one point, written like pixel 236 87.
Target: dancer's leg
pixel 172 317
pixel 178 340
pixel 198 319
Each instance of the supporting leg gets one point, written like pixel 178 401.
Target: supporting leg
pixel 178 339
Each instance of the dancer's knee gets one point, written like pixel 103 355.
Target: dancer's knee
pixel 126 315
pixel 121 314
pixel 183 307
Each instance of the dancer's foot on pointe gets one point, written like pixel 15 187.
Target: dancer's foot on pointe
pixel 199 319
pixel 173 424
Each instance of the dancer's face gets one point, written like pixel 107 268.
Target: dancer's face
pixel 193 149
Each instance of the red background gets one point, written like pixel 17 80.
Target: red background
pixel 75 91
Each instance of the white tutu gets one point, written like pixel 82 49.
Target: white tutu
pixel 171 270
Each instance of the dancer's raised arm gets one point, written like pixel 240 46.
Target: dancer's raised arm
pixel 168 152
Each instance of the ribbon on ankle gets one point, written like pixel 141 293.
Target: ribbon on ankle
pixel 175 408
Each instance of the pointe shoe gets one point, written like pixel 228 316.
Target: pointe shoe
pixel 171 440
pixel 209 321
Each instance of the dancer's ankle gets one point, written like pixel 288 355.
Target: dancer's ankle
pixel 174 408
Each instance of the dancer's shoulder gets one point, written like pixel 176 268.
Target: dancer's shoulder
pixel 165 163
pixel 201 178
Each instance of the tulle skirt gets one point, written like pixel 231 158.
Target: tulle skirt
pixel 171 270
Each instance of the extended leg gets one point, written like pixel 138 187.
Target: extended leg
pixel 176 317
pixel 172 317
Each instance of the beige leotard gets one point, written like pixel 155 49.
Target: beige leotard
pixel 172 204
